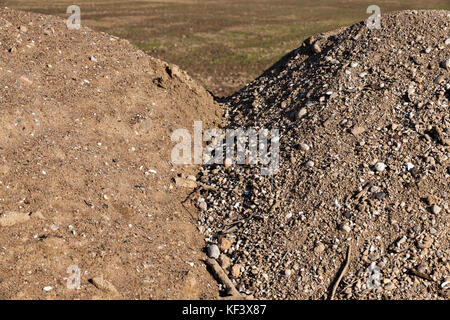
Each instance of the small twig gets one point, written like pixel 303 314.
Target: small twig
pixel 342 272
pixel 233 223
pixel 199 187
pixel 184 201
pixel 420 274
pixel 206 187
pixel 222 277
pixel 192 217
pixel 363 192
pixel 189 195
pixel 227 231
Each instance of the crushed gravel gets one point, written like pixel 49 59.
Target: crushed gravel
pixel 364 159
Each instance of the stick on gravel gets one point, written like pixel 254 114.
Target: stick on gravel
pixel 342 273
pixel 220 275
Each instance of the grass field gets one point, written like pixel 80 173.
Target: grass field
pixel 224 43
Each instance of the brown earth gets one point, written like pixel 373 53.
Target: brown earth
pixel 86 178
pixel 85 171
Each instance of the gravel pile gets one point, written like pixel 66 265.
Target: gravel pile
pixel 364 161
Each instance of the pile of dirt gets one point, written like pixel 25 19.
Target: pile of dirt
pixel 85 171
pixel 364 126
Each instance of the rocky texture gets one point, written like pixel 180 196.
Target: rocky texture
pixel 364 140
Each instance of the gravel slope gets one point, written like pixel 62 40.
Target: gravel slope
pixel 364 140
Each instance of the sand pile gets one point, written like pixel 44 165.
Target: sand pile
pixel 364 161
pixel 85 172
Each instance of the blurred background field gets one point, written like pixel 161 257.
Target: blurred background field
pixel 222 43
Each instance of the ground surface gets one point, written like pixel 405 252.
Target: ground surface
pixel 85 173
pixel 364 161
pixel 224 44
pixel 86 178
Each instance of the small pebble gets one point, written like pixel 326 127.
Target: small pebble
pixel 390 286
pixel 319 248
pixel 310 164
pixel 446 64
pixel 435 209
pixel 301 113
pixel 345 227
pixel 236 270
pixel 213 251
pixel 224 244
pixel 380 166
pixel 224 262
pixel 304 147
pixel 316 48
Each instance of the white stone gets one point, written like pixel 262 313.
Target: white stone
pixel 213 251
pixel 436 209
pixel 380 166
